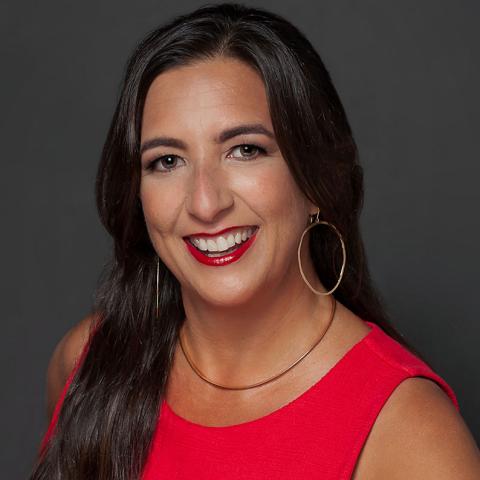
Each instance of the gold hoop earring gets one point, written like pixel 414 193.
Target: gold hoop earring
pixel 313 223
pixel 158 277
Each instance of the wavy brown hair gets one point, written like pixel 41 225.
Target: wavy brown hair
pixel 111 408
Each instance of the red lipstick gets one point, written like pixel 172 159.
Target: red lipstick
pixel 224 259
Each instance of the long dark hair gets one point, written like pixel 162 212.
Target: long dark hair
pixel 111 408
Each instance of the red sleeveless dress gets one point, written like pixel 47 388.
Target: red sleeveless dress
pixel 318 435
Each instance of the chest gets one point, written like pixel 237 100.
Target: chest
pixel 317 435
pixel 193 399
pixel 286 444
pixel 311 424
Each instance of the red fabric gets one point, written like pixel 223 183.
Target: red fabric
pixel 319 435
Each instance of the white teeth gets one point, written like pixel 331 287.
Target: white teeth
pixel 230 241
pixel 212 246
pixel 222 243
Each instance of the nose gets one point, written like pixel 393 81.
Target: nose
pixel 208 194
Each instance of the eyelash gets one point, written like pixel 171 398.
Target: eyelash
pixel 151 165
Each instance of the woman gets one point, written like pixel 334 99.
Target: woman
pixel 237 333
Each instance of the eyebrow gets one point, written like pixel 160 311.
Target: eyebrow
pixel 222 137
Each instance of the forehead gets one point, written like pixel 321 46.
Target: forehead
pixel 219 89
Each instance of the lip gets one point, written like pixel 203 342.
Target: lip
pixel 225 259
pixel 214 234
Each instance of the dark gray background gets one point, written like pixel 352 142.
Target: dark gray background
pixel 408 74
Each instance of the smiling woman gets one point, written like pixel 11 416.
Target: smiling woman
pixel 237 334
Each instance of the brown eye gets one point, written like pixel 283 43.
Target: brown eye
pixel 248 150
pixel 164 163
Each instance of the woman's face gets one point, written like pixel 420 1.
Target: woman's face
pixel 210 162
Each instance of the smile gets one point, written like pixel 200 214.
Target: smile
pixel 221 251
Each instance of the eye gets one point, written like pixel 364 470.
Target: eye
pixel 248 150
pixel 165 163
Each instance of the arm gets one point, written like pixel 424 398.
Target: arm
pixel 419 435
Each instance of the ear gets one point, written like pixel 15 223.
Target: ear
pixel 312 208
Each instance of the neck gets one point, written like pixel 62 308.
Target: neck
pixel 249 342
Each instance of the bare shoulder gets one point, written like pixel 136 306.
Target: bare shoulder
pixel 63 359
pixel 419 435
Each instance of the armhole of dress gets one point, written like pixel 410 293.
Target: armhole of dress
pixel 58 406
pixel 374 410
pixel 412 368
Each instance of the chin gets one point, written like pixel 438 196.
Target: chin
pixel 227 296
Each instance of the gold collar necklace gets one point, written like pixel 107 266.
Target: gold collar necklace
pixel 270 379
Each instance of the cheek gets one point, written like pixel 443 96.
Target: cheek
pixel 160 202
pixel 273 193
